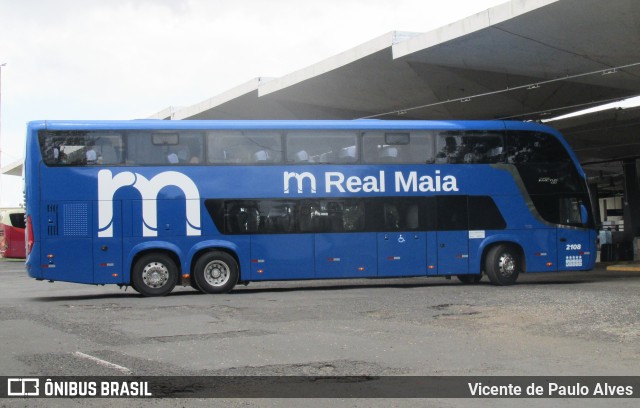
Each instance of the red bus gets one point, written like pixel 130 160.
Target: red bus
pixel 12 226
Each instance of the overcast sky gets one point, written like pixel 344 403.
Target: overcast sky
pixel 127 59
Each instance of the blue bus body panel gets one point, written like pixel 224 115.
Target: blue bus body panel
pixel 575 251
pixel 282 257
pixel 453 252
pixel 402 253
pixel 345 255
pixel 73 243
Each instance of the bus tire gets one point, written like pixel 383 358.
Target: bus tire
pixel 469 279
pixel 192 283
pixel 503 264
pixel 154 274
pixel 216 272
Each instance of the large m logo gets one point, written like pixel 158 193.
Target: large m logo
pixel 108 184
pixel 299 178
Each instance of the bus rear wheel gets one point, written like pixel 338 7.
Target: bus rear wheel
pixel 503 264
pixel 154 274
pixel 216 272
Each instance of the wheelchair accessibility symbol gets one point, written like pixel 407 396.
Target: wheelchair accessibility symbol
pixel 401 239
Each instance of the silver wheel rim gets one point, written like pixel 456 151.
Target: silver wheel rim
pixel 506 265
pixel 217 273
pixel 155 275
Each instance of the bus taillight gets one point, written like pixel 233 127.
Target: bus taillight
pixel 29 235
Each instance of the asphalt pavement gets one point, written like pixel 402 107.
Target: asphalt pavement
pixel 562 324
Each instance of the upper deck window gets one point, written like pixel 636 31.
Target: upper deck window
pixel 534 147
pixel 415 147
pixel 469 147
pixel 77 148
pixel 164 148
pixel 244 147
pixel 256 147
pixel 322 147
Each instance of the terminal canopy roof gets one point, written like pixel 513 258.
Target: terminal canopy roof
pixel 523 60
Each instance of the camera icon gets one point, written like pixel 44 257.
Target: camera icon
pixel 23 387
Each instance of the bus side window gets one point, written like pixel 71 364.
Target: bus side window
pixel 243 219
pixel 482 147
pixel 317 218
pixel 412 217
pixel 109 155
pixel 391 217
pixel 398 216
pixel 452 213
pixel 279 217
pixel 353 216
pixel 398 147
pixel 484 214
pixel 448 148
pixel 306 217
pixel 332 147
pixel 333 222
pixel 534 147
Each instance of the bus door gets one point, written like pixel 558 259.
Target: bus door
pixel 453 235
pixel 107 249
pixel 402 247
pixel 575 245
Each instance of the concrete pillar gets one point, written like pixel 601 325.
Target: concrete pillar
pixel 631 205
pixel 595 203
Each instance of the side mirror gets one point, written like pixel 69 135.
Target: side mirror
pixel 584 216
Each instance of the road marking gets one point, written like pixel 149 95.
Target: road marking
pixel 104 363
pixel 624 268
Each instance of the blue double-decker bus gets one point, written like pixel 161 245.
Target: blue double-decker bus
pixel 151 204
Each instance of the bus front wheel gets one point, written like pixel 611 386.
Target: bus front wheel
pixel 154 274
pixel 503 264
pixel 216 272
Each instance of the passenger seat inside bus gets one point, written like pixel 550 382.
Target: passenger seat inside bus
pixel 388 154
pixel 262 156
pixel 109 155
pixel 301 157
pixel 347 154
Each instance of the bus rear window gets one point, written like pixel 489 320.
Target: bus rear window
pixel 78 148
pixel 17 220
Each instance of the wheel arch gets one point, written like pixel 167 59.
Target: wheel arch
pixel 140 250
pixel 495 241
pixel 214 245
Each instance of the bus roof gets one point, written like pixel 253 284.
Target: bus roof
pixel 358 124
